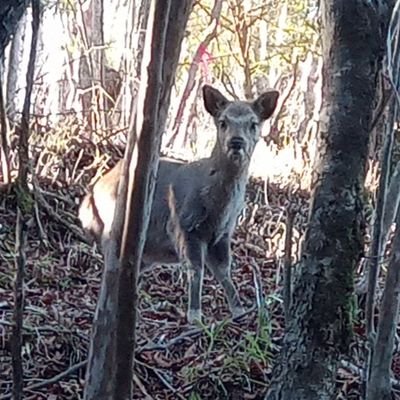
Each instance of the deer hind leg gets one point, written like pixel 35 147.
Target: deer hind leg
pixel 194 257
pixel 218 261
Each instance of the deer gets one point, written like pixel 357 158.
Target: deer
pixel 196 204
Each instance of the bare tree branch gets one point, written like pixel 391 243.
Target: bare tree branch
pixel 209 34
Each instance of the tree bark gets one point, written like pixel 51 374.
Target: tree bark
pixel 10 13
pixel 320 327
pixel 15 68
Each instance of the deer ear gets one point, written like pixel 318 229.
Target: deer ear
pixel 214 100
pixel 265 105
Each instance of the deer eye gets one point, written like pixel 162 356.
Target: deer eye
pixel 253 127
pixel 222 124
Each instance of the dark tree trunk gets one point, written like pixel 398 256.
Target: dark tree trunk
pixel 10 13
pixel 320 328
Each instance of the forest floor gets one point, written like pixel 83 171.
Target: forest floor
pixel 222 359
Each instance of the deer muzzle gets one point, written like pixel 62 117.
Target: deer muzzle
pixel 236 149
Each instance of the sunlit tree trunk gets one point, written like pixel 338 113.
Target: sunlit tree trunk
pixel 319 330
pixel 15 66
pixel 91 67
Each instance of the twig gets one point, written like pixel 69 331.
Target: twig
pixel 140 385
pixel 49 210
pixel 42 233
pixel 287 273
pixel 160 376
pixel 189 334
pixel 356 370
pixel 50 381
pixel 258 286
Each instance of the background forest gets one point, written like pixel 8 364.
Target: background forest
pixel 86 75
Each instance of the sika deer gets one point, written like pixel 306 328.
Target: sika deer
pixel 196 205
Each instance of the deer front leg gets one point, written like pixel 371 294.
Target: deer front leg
pixel 194 255
pixel 218 260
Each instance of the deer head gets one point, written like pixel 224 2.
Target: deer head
pixel 238 123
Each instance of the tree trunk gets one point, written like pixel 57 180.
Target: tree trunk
pixel 10 13
pixel 168 30
pixel 320 328
pixel 375 251
pixel 15 69
pixel 379 385
pixel 91 66
pixel 25 207
pixel 4 147
pixel 110 367
pixel 378 380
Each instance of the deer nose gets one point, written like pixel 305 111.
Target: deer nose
pixel 236 143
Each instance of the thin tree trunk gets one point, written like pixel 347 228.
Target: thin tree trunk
pixel 110 368
pixel 391 205
pixel 287 268
pixel 25 206
pixel 380 356
pixel 15 69
pixel 168 30
pixel 4 148
pixel 142 20
pixel 375 253
pixel 379 385
pixel 136 217
pixel 91 66
pixel 320 327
